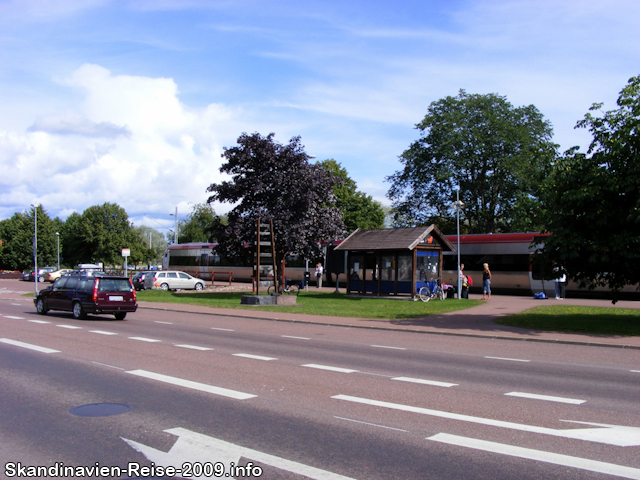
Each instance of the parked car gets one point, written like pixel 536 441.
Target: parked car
pixel 138 279
pixel 172 280
pixel 83 294
pixel 53 276
pixel 30 277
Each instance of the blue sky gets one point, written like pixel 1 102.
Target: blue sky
pixel 132 102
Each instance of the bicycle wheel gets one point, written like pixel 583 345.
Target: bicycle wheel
pixel 424 294
pixel 293 289
pixel 271 290
pixel 441 293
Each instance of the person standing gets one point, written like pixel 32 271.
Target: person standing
pixel 464 285
pixel 319 273
pixel 486 282
pixel 558 283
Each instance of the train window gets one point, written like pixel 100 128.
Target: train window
pixel 497 263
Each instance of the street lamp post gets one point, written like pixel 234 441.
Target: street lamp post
pixel 458 205
pixel 35 247
pixel 175 231
pixel 58 249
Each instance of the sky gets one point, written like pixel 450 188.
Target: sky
pixel 132 102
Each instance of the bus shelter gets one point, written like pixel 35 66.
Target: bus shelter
pixel 394 261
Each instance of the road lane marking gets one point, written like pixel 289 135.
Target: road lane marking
pixel 70 327
pixel 143 339
pixel 392 348
pixel 102 332
pixel 200 448
pixel 164 323
pixel 28 345
pixel 17 304
pixel 223 329
pixel 635 371
pixel 509 359
pixel 194 347
pixel 618 435
pixel 38 321
pixel 425 382
pixel 299 338
pixel 254 357
pixel 548 398
pixel 538 455
pixel 372 424
pixel 110 366
pixel 203 387
pixel 332 369
pixel 13 318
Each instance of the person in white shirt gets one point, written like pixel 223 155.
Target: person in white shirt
pixel 319 273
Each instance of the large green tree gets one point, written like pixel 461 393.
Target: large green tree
pixel 359 210
pixel 199 225
pixel 593 200
pixel 17 235
pixel 495 153
pixel 100 234
pixel 272 181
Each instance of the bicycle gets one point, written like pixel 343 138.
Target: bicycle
pixel 290 288
pixel 426 293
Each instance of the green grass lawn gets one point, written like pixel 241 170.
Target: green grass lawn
pixel 319 303
pixel 568 318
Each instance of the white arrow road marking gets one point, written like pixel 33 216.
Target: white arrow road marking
pixel 203 387
pixel 28 345
pixel 618 435
pixel 195 447
pixel 547 457
pixel 332 369
pixel 548 398
pixel 425 382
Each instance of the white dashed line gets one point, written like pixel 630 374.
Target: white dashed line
pixel 38 321
pixel 425 382
pixel 548 398
pixel 28 345
pixel 70 327
pixel 203 387
pixel 164 323
pixel 142 339
pixel 371 424
pixel 540 456
pixel 101 332
pixel 254 357
pixel 298 338
pixel 392 348
pixel 194 347
pixel 13 318
pixel 509 359
pixel 332 369
pixel 223 329
pixel 105 365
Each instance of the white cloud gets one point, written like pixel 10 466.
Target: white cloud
pixel 133 143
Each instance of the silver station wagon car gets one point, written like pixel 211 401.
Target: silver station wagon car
pixel 172 280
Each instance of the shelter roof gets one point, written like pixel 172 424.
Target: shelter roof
pixel 396 239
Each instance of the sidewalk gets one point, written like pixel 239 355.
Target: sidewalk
pixel 472 322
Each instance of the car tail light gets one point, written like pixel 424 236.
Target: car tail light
pixel 133 290
pixel 95 290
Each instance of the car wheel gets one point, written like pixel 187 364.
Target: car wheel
pixel 120 315
pixel 164 286
pixel 78 311
pixel 41 279
pixel 199 286
pixel 41 307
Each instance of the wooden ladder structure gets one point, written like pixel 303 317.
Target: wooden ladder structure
pixel 265 238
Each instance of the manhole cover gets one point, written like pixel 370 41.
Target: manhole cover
pixel 100 409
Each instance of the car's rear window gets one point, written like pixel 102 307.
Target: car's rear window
pixel 114 285
pixel 86 284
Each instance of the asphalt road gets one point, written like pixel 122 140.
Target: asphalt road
pixel 309 401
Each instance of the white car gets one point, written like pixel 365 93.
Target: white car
pixel 172 280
